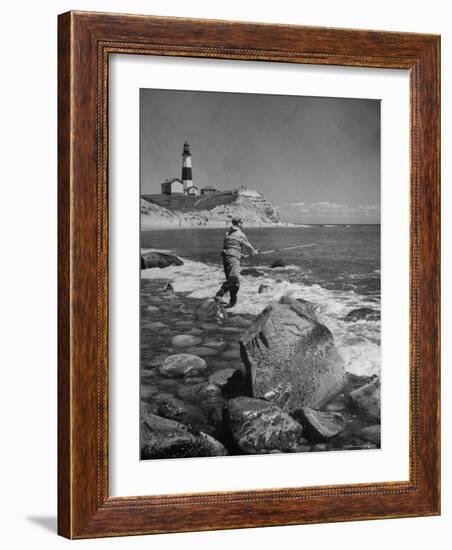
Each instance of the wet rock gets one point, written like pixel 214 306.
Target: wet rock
pixel 183 364
pixel 182 324
pixel 291 354
pixel 227 379
pixel 169 287
pixel 300 306
pixel 320 447
pixel 260 427
pixel 173 408
pixel 202 351
pixel 215 344
pixel 278 263
pixel 366 400
pixel 335 406
pixel 159 259
pixel 233 353
pixel 211 311
pixel 251 272
pixel 155 362
pixel 147 391
pixel 238 321
pixel 319 425
pixel 196 393
pixel 185 341
pixel 195 331
pixel 263 288
pixel 372 434
pixel 156 325
pixel 209 326
pixel 363 313
pixel 164 438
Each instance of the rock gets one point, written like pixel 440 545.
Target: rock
pixel 251 272
pixel 156 325
pixel 209 326
pixel 238 321
pixel 203 351
pixel 159 259
pixel 233 353
pixel 196 393
pixel 173 408
pixel 260 427
pixel 263 288
pixel 320 447
pixel 195 331
pixel 361 313
pixel 164 438
pixel 335 406
pixel 169 287
pixel 277 263
pixel 227 379
pixel 183 364
pixel 147 391
pixel 366 400
pixel 155 362
pixel 152 309
pixel 215 344
pixel 211 311
pixel 291 354
pixel 319 425
pixel 301 306
pixel 185 341
pixel 372 434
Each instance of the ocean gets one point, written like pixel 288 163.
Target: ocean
pixel 339 273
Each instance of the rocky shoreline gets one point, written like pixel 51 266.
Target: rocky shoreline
pixel 215 383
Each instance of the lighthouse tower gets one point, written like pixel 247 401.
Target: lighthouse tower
pixel 187 177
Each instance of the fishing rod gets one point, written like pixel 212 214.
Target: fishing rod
pixel 287 248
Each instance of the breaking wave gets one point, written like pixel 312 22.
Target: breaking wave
pixel 357 342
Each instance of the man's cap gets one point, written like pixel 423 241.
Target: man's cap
pixel 237 221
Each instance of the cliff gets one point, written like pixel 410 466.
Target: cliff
pixel 217 208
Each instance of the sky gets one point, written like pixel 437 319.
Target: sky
pixel 317 160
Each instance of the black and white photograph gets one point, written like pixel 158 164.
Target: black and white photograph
pixel 260 274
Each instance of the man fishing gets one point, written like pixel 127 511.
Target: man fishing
pixel 234 245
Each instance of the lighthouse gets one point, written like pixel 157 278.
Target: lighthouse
pixel 187 177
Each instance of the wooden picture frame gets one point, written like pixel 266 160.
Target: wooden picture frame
pixel 85 42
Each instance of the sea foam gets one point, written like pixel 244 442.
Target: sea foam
pixel 358 343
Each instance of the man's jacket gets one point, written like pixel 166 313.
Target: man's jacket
pixel 235 242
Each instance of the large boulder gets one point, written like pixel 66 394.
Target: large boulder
pixel 211 311
pixel 159 259
pixel 367 400
pixel 258 426
pixel 300 306
pixel 319 425
pixel 164 438
pixel 363 313
pixel 183 364
pixel 291 358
